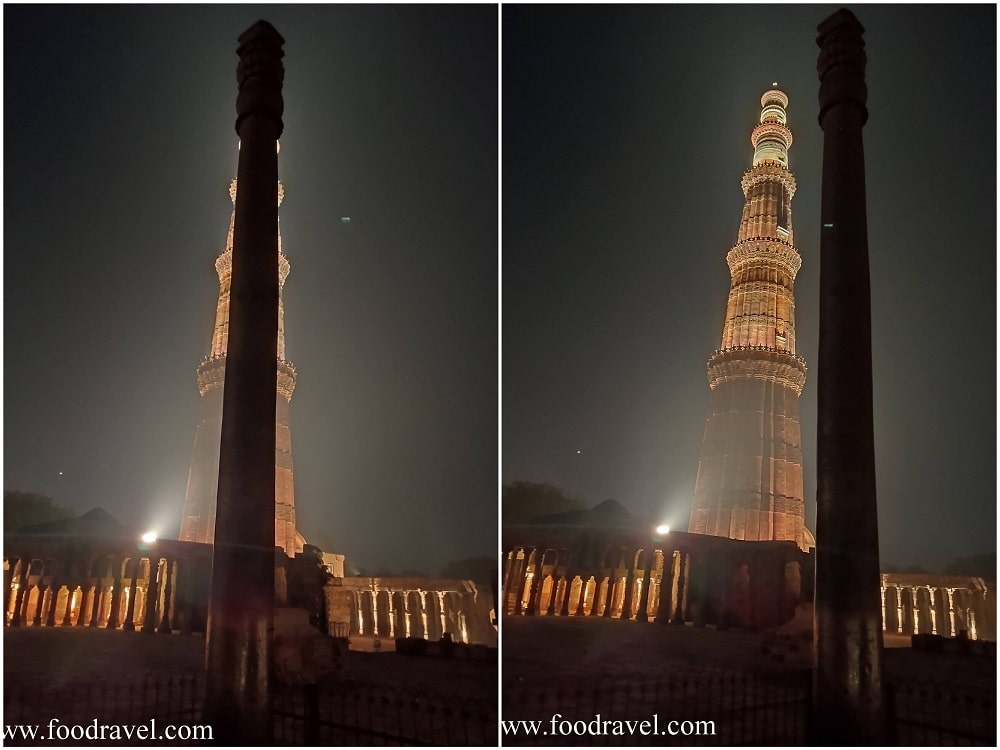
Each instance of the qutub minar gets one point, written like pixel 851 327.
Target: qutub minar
pixel 198 521
pixel 749 483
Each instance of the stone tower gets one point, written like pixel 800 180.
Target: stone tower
pixel 749 483
pixel 198 521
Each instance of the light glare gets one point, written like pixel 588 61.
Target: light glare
pixel 149 537
pixel 663 529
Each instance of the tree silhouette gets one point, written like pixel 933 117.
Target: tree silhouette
pixel 22 509
pixel 523 501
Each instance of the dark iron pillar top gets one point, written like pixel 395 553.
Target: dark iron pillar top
pixel 849 706
pixel 241 608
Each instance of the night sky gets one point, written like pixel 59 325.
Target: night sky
pixel 119 146
pixel 625 135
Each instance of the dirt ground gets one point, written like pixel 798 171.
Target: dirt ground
pixel 54 657
pixel 538 649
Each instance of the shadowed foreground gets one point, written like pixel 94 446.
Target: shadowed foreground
pixel 80 674
pixel 755 687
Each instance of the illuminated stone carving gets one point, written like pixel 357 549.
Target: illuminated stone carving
pixel 749 483
pixel 198 521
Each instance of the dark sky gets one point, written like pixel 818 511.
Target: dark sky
pixel 625 135
pixel 119 146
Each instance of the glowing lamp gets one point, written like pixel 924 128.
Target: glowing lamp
pixel 149 537
pixel 662 529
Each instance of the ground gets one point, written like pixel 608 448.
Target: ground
pixel 540 649
pixel 56 657
pixel 753 686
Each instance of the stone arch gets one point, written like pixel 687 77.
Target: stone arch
pixel 526 579
pixel 416 612
pixel 32 600
pixel 590 589
pixel 546 591
pixel 574 591
pixel 923 605
pixel 453 614
pixel 910 615
pixel 516 585
pixel 366 611
pixel 891 617
pixel 433 616
pixel 559 595
pixel 74 604
pixel 399 613
pixel 380 611
pixel 600 599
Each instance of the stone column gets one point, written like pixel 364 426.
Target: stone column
pixel 37 619
pixel 50 615
pixel 627 599
pixel 522 579
pixel 68 610
pixel 511 565
pixel 114 615
pixel 241 605
pixel 569 577
pixel 81 613
pixel 166 626
pixel 8 580
pixel 536 583
pixel 152 594
pixel 97 602
pixel 440 596
pixel 133 593
pixel 899 608
pixel 664 610
pixel 849 705
pixel 647 580
pixel 17 619
pixel 582 601
pixel 423 614
pixel 683 572
pixel 406 614
pixel 609 599
pixel 551 609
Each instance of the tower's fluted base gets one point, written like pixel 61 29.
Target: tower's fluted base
pixel 198 520
pixel 749 483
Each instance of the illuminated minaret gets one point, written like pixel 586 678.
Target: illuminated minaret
pixel 749 483
pixel 198 521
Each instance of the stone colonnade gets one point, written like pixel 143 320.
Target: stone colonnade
pixel 154 590
pixel 915 603
pixel 419 608
pixel 676 578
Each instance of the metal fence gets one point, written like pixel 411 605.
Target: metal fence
pixel 367 715
pixel 345 714
pixel 938 713
pixel 712 707
pixel 729 708
pixel 733 708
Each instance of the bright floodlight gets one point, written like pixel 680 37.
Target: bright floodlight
pixel 662 529
pixel 149 537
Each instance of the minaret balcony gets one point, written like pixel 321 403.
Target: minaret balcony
pixel 757 363
pixel 764 251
